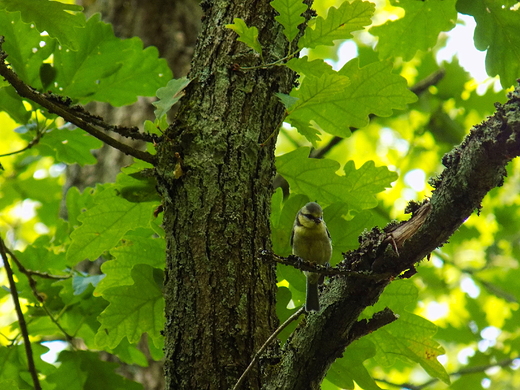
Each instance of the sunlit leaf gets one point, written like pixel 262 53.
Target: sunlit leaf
pixel 108 69
pixel 318 179
pixel 338 24
pixel 131 251
pixel 417 30
pixel 497 32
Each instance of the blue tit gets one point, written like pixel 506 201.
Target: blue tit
pixel 311 241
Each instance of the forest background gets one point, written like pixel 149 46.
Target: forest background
pixel 365 118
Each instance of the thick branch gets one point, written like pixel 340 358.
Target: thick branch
pixel 472 170
pixel 61 107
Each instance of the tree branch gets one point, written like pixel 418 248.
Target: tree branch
pixel 21 320
pixel 472 170
pixel 302 265
pixel 378 320
pixel 74 115
pixel 32 284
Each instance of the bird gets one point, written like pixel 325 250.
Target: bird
pixel 310 240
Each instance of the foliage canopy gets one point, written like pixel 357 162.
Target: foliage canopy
pixel 462 306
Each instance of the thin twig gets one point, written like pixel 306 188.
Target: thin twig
pixel 320 153
pixel 268 341
pixel 60 106
pixel 430 80
pixel 302 265
pixel 32 284
pixel 278 62
pixel 29 272
pixel 462 371
pixel 275 131
pixel 29 146
pixel 21 320
pixel 33 142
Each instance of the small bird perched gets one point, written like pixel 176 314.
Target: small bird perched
pixel 311 241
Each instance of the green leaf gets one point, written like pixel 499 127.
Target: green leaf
pixel 411 336
pixel 78 202
pixel 133 310
pixel 319 98
pixel 131 251
pixel 366 181
pixel 373 89
pixel 26 48
pixel 248 35
pixel 79 370
pixel 290 16
pixel 37 256
pixel 340 22
pixel 13 361
pixel 335 101
pixel 287 101
pixel 282 221
pixel 170 95
pixel 12 104
pixel 418 30
pixel 81 283
pixel 318 179
pixel 350 367
pixel 137 184
pixel 53 17
pixel 314 68
pixel 105 224
pixel 130 354
pixel 69 146
pixel 497 32
pixel 108 69
pixel 345 233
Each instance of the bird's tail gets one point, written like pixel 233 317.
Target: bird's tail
pixel 312 302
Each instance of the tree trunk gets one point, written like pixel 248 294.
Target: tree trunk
pixel 220 298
